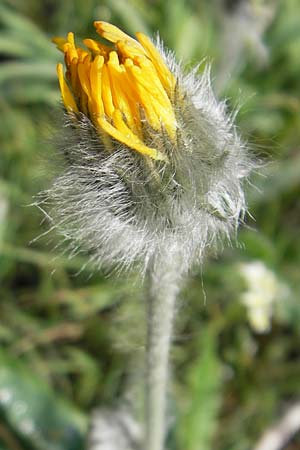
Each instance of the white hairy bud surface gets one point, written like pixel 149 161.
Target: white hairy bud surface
pixel 123 207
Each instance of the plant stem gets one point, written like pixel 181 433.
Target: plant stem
pixel 163 286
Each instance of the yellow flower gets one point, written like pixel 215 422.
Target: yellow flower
pixel 126 89
pixel 149 161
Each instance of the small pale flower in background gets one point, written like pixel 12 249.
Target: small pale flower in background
pixel 263 291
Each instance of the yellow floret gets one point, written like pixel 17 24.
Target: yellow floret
pixel 115 86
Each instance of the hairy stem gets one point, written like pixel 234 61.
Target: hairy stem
pixel 163 286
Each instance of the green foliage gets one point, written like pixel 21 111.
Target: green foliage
pixel 34 413
pixel 63 325
pixel 198 424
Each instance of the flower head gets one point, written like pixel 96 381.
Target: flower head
pixel 151 161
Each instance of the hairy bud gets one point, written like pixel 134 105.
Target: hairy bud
pixel 151 161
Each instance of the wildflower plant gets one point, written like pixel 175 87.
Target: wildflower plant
pixel 152 174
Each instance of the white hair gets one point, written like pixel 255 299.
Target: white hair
pixel 124 208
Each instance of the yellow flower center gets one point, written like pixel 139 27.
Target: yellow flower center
pixel 119 88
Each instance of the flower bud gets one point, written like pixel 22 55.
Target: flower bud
pixel 150 162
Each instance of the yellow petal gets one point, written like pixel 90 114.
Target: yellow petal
pixel 83 74
pixel 121 97
pixel 71 39
pixel 74 81
pixel 67 96
pixel 165 75
pixel 59 42
pixel 130 142
pixel 70 53
pixel 113 34
pixel 96 47
pixel 147 76
pixel 127 50
pixel 106 93
pixel 96 74
pixel 154 100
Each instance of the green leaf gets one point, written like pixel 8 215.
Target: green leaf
pixel 198 424
pixel 130 16
pixel 257 245
pixel 25 31
pixel 13 47
pixel 42 70
pixel 31 92
pixel 32 410
pixel 278 178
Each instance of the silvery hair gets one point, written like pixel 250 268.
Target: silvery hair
pixel 124 209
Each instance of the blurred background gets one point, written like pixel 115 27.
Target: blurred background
pixel 64 330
